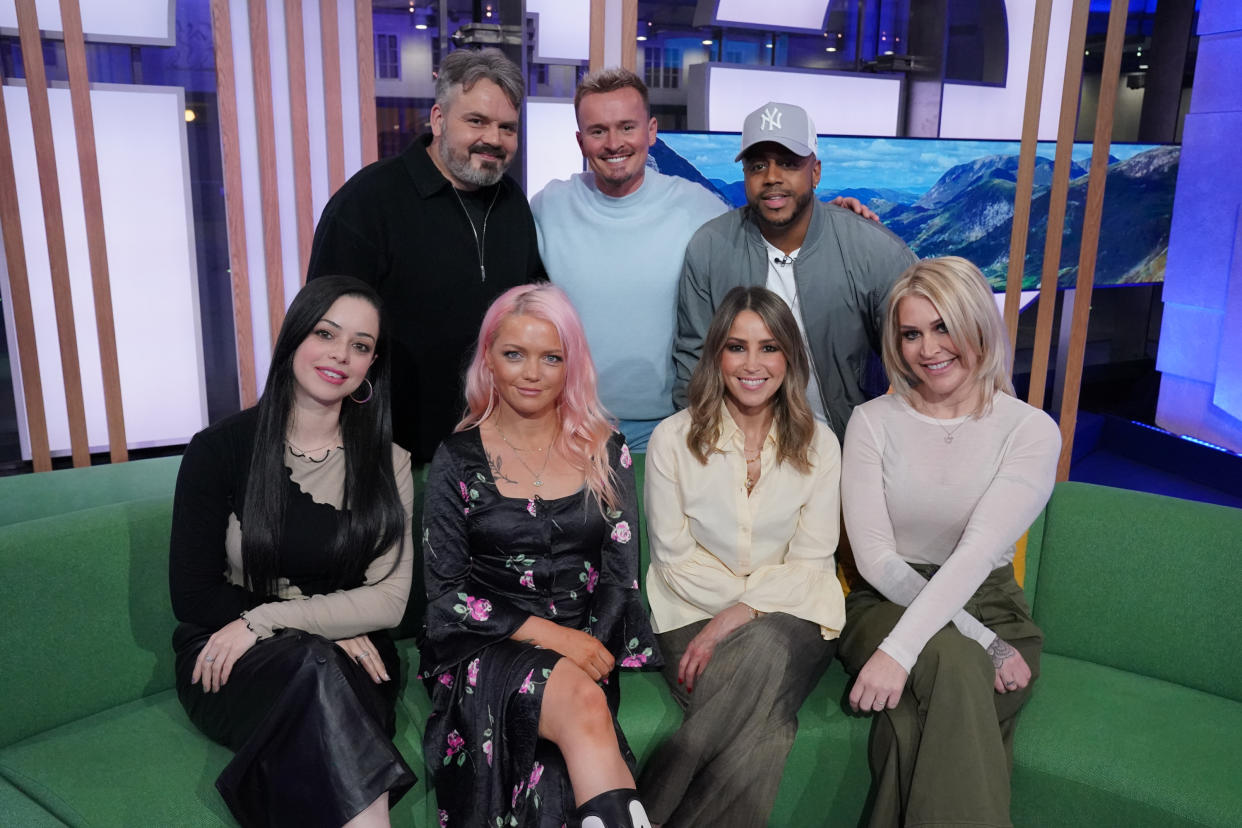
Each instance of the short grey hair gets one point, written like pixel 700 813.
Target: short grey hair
pixel 466 67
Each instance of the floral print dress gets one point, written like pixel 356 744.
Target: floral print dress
pixel 491 562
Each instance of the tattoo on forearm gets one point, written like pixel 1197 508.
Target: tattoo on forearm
pixel 1000 650
pixel 498 475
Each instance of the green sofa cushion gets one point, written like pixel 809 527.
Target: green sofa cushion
pixel 88 622
pixel 1100 746
pixel 33 496
pixel 1143 583
pixel 18 809
pixel 144 763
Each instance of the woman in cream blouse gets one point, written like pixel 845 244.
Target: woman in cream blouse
pixel 742 504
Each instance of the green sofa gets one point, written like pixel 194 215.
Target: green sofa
pixel 1135 720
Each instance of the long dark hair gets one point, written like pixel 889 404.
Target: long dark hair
pixel 372 517
pixel 795 424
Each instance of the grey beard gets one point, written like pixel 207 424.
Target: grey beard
pixel 463 170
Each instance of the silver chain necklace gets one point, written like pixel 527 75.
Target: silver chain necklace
pixel 948 433
pixel 517 452
pixel 478 242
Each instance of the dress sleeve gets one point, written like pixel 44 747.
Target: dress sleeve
pixel 805 584
pixel 462 617
pixel 871 534
pixel 619 620
pixel 376 605
pixel 197 561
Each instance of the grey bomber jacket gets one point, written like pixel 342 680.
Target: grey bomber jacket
pixel 843 272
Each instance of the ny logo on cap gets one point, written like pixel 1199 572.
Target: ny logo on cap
pixel 771 119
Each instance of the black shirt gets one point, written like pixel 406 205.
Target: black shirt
pixel 399 225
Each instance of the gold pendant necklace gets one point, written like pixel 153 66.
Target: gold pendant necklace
pixel 517 452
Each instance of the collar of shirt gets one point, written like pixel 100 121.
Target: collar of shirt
pixel 732 438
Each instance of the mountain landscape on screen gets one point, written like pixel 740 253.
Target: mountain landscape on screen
pixel 956 197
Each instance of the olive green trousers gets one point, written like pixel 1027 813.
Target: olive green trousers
pixel 943 755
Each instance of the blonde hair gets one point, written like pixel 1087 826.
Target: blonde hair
pixel 795 424
pixel 964 300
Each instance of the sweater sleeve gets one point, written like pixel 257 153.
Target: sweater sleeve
pixel 197 561
pixel 871 531
pixel 376 605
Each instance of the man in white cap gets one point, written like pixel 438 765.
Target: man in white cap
pixel 832 267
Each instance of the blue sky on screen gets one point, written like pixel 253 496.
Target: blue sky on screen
pixel 897 163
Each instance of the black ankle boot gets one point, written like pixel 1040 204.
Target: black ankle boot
pixel 618 808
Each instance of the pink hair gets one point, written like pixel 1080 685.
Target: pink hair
pixel 585 425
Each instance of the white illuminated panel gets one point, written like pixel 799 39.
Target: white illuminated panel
pixel 144 184
pixel 976 111
pixel 564 29
pixel 551 149
pixel 119 21
pixel 764 14
pixel 840 104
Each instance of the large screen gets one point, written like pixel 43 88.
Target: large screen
pixel 955 198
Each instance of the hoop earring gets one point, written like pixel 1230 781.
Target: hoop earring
pixel 370 392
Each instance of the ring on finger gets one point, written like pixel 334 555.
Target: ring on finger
pixel 879 705
pixel 209 658
pixel 1011 684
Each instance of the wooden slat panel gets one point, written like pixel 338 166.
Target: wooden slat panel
pixel 19 288
pixel 265 128
pixel 296 49
pixel 330 41
pixel 53 222
pixel 366 80
pixel 1056 205
pixel 92 203
pixel 1026 169
pixel 597 35
pixel 629 35
pixel 1091 230
pixel 234 211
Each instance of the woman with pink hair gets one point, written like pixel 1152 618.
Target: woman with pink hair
pixel 530 546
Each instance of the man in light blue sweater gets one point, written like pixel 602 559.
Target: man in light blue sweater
pixel 614 239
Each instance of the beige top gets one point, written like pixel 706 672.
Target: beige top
pixel 713 547
pixel 376 605
pixel 913 495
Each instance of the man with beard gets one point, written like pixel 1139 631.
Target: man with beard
pixel 440 231
pixel 832 267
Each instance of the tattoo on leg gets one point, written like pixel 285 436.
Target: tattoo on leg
pixel 1000 650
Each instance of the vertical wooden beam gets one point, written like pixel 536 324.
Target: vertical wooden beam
pixel 597 35
pixel 629 34
pixel 1109 78
pixel 92 203
pixel 1056 204
pixel 19 286
pixel 366 80
pixel 234 211
pixel 261 69
pixel 1026 169
pixel 295 47
pixel 53 223
pixel 330 42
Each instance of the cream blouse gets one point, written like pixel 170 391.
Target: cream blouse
pixel 713 547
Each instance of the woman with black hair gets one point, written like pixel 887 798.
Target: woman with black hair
pixel 290 556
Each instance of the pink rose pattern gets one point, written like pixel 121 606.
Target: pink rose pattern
pixel 480 608
pixel 472 673
pixel 528 579
pixel 528 686
pixel 634 660
pixel 443 818
pixel 621 532
pixel 626 460
pixel 455 743
pixel 517 791
pixel 465 494
pixel 530 507
pixel 535 773
pixel 487 751
pixel 447 680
